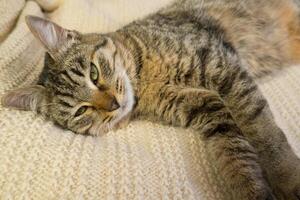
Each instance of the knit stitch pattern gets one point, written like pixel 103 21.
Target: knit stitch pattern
pixel 143 161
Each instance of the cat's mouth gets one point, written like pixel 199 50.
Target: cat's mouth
pixel 125 107
pixel 126 102
pixel 122 110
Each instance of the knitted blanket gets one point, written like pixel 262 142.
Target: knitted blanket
pixel 143 161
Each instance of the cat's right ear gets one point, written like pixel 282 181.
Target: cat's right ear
pixel 55 38
pixel 28 98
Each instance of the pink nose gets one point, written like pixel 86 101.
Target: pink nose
pixel 104 101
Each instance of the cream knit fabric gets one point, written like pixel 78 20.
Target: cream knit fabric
pixel 144 161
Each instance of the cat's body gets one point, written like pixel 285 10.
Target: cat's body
pixel 264 33
pixel 186 65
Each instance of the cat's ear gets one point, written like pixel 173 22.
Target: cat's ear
pixel 28 98
pixel 55 38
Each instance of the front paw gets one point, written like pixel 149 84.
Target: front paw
pixel 287 184
pixel 261 194
pixel 253 190
pixel 288 191
pixel 297 191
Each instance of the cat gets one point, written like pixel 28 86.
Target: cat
pixel 192 64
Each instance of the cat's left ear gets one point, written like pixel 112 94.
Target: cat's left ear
pixel 55 38
pixel 28 98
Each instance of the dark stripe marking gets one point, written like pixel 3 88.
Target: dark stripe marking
pixel 64 103
pixel 247 91
pixel 203 56
pixel 257 110
pixel 57 92
pixel 221 128
pixel 138 54
pixel 77 72
pixel 80 60
pixel 69 77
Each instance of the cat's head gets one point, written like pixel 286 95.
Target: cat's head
pixel 83 87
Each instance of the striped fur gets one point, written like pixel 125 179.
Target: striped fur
pixel 191 65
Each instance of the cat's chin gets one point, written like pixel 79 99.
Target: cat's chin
pixel 99 129
pixel 118 121
pixel 124 110
pixel 102 129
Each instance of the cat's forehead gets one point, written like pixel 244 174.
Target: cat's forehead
pixel 76 58
pixel 54 75
pixel 92 39
pixel 85 49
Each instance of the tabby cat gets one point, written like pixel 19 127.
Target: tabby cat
pixel 191 64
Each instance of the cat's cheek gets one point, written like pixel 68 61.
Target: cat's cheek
pixel 123 123
pixel 103 131
pixel 98 129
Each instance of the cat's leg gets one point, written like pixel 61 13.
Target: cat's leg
pixel 204 111
pixel 252 114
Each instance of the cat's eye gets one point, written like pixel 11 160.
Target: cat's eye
pixel 94 74
pixel 81 110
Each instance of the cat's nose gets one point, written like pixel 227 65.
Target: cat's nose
pixel 104 101
pixel 114 105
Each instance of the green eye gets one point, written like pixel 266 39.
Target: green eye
pixel 81 110
pixel 94 74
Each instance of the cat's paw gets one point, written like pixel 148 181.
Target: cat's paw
pixel 289 193
pixel 287 186
pixel 267 195
pixel 270 197
pixel 263 195
pixel 297 192
pixel 255 192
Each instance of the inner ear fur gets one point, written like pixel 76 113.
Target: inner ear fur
pixel 55 38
